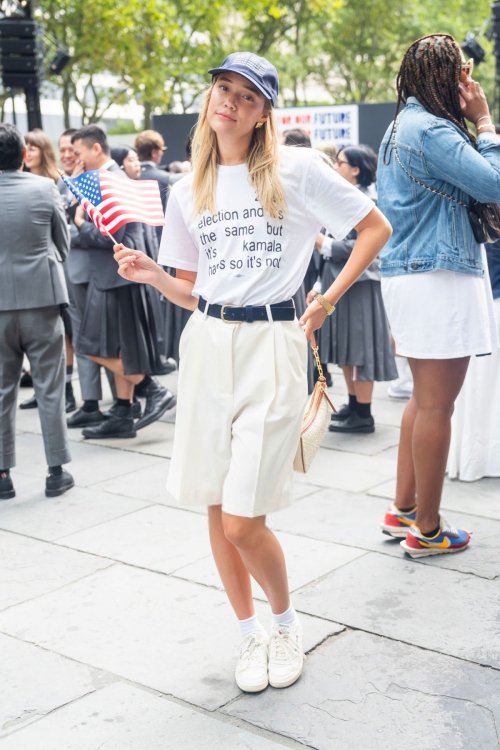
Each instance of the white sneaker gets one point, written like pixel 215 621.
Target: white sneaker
pixel 251 670
pixel 286 655
pixel 401 388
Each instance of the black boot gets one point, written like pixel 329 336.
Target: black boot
pixel 30 403
pixel 354 423
pixel 136 410
pixel 26 380
pixel 83 418
pixel 342 413
pixel 120 424
pixel 158 400
pixel 70 399
pixel 58 484
pixel 6 486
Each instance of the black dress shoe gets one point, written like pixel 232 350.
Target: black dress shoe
pixel 117 425
pixel 342 413
pixel 136 410
pixel 166 367
pixel 58 484
pixel 70 403
pixel 354 423
pixel 84 418
pixel 26 380
pixel 30 403
pixel 158 400
pixel 6 486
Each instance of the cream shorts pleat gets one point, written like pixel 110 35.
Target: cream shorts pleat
pixel 241 398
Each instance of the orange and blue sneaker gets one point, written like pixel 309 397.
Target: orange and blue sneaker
pixel 396 522
pixel 448 539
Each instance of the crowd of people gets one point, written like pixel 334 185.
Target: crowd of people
pixel 264 244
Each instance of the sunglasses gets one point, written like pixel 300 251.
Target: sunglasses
pixel 468 66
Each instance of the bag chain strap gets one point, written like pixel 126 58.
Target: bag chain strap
pixel 422 184
pixel 315 350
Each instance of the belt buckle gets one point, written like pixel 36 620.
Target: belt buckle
pixel 228 322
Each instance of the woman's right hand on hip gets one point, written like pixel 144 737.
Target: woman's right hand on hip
pixel 135 265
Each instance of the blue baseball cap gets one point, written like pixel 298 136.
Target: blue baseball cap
pixel 255 69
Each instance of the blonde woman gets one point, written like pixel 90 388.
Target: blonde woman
pixel 240 230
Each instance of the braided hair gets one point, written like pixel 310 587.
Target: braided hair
pixel 431 71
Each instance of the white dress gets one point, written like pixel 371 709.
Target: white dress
pixel 475 427
pixel 441 314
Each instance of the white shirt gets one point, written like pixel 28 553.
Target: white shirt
pixel 244 257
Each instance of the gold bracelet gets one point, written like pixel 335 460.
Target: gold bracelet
pixel 324 303
pixel 486 125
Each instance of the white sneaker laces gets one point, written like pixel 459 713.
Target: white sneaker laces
pixel 250 651
pixel 282 647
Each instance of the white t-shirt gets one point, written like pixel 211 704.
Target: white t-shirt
pixel 243 257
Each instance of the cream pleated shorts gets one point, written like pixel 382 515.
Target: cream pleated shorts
pixel 241 398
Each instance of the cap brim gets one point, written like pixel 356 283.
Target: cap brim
pixel 215 71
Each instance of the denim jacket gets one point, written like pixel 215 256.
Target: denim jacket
pixel 431 232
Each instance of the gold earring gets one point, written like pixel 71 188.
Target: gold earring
pixel 259 125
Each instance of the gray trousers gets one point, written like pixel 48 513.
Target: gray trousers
pixel 89 371
pixel 38 333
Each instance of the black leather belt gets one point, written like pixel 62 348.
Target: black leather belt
pixel 281 311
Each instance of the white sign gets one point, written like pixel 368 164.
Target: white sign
pixel 336 124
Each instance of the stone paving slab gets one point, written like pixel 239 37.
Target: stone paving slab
pixel 33 514
pixel 355 520
pixel 155 440
pixel 30 568
pixel 306 561
pixel 157 538
pixel 362 692
pixel 481 498
pixel 123 717
pixel 385 436
pixel 35 682
pixel 348 471
pixel 90 463
pixel 171 635
pixel 440 610
pixel 149 484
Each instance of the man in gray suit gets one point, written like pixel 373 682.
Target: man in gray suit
pixel 33 243
pixel 77 278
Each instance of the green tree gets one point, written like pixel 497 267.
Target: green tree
pixel 89 30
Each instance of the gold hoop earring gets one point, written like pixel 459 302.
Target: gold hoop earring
pixel 259 125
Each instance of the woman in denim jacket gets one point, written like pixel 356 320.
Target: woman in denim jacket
pixel 439 307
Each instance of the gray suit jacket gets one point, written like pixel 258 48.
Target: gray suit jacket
pixel 77 263
pixel 99 248
pixel 34 239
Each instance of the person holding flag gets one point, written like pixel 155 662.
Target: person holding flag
pixel 240 231
pixel 115 331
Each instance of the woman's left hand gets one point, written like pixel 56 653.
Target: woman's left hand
pixel 313 318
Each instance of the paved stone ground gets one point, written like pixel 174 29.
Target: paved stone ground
pixel 115 633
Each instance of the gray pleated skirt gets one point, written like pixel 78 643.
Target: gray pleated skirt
pixel 174 321
pixel 357 333
pixel 299 299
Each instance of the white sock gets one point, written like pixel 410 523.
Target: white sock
pixel 402 365
pixel 252 625
pixel 286 618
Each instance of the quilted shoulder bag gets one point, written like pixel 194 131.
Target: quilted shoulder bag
pixel 316 420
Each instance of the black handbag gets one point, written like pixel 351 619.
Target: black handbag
pixel 481 228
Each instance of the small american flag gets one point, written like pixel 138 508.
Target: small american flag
pixel 112 200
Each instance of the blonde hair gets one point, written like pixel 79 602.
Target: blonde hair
pixel 262 161
pixel 48 164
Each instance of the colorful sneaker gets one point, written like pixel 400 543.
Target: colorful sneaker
pixel 448 540
pixel 251 670
pixel 286 655
pixel 396 523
